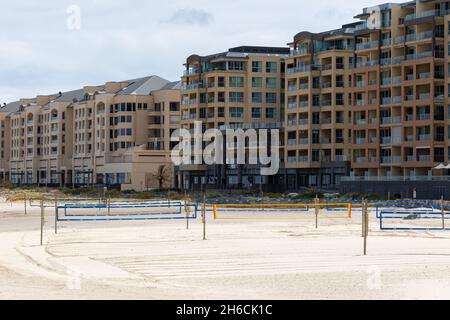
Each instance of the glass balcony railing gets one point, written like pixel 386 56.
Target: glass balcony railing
pixel 424 14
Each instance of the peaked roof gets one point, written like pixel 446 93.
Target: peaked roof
pixel 10 107
pixel 143 86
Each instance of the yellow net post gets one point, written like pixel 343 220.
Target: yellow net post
pixel 215 212
pixel 350 210
pixel 316 210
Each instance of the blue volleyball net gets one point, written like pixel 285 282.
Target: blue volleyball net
pixel 123 211
pixel 414 220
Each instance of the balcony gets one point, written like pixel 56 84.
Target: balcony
pixel 292 142
pixel 424 96
pixel 292 123
pixel 191 86
pixel 386 160
pixel 386 42
pixel 190 72
pixel 386 61
pixel 360 84
pixel 303 122
pixel 423 116
pixel 367 45
pixel 424 75
pixel 386 140
pixel 424 14
pixel 303 69
pixel 386 120
pixel 303 159
pixel 304 86
pixel 360 141
pixel 303 141
pixel 299 52
pixel 426 157
pixel 386 100
pixel 399 40
pixel 398 60
pixel 326 85
pixel 424 137
pixel 370 63
pixel 326 103
pixel 304 104
pixel 292 88
pixel 292 105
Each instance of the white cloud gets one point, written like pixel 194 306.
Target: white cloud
pixel 189 16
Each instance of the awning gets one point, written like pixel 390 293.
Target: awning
pixel 441 167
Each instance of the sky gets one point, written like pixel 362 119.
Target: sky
pixel 49 46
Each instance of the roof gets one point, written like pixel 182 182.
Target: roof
pixel 139 86
pixel 143 86
pixel 11 107
pixel 176 85
pixel 71 96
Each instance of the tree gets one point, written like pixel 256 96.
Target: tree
pixel 162 175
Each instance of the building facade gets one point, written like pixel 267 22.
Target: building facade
pixel 116 134
pixel 241 88
pixel 400 97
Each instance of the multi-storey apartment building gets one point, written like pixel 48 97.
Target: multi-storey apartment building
pixel 400 95
pixel 240 88
pixel 365 102
pixel 115 134
pixel 317 117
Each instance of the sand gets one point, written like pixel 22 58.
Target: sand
pixel 241 259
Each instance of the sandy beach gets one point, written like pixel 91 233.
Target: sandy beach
pixel 268 258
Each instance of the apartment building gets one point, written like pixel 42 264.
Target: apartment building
pixel 240 88
pixel 400 97
pixel 116 134
pixel 318 113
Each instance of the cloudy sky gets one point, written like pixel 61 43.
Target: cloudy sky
pixel 56 45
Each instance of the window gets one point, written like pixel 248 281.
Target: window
pixel 221 97
pixel 271 97
pixel 270 113
pixel 256 66
pixel 256 113
pixel 236 65
pixel 271 67
pixel 221 112
pixel 221 82
pixel 236 97
pixel 236 82
pixel 235 112
pixel 271 83
pixel 257 82
pixel 256 97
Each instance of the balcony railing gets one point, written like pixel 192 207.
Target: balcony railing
pixel 423 116
pixel 299 52
pixel 367 45
pixel 360 141
pixel 424 14
pixel 424 137
pixel 292 105
pixel 303 86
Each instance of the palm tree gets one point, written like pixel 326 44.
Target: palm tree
pixel 162 175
